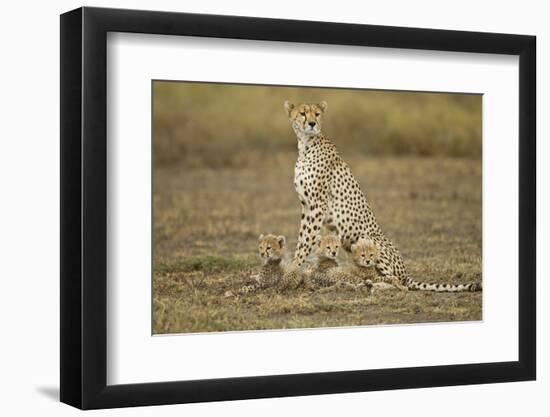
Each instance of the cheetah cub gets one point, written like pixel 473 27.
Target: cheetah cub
pixel 325 259
pixel 329 247
pixel 365 254
pixel 271 250
pixel 327 273
pixel 374 253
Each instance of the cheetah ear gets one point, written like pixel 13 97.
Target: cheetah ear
pixel 261 238
pixel 353 247
pixel 281 240
pixel 323 105
pixel 288 107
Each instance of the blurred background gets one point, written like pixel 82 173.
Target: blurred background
pixel 223 173
pixel 200 124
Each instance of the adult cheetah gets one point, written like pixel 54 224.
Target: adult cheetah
pixel 330 196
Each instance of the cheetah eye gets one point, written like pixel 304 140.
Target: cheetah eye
pixel 268 248
pixel 317 114
pixel 303 113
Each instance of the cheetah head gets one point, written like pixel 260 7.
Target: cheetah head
pixel 329 246
pixel 304 118
pixel 365 252
pixel 271 248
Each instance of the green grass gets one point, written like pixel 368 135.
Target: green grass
pixel 207 263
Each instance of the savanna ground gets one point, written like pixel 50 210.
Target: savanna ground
pixel 219 182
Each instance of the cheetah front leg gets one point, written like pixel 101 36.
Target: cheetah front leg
pixel 308 237
pixel 310 232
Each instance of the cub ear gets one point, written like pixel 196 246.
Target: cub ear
pixel 281 240
pixel 288 107
pixel 323 105
pixel 261 238
pixel 353 247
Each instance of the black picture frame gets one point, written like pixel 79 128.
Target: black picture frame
pixel 84 207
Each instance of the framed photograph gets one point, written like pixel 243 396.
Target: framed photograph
pixel 259 208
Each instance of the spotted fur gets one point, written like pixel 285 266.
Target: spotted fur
pixel 327 273
pixel 380 252
pixel 325 259
pixel 329 195
pixel 271 250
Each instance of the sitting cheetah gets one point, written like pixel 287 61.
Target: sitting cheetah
pixel 271 250
pixel 325 259
pixel 327 273
pixel 329 247
pixel 330 196
pixel 366 254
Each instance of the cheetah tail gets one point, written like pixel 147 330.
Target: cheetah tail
pixel 441 287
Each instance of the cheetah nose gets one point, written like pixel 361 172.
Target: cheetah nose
pixel 312 124
pixel 333 253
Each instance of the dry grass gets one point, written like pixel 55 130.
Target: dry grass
pixel 207 222
pixel 224 164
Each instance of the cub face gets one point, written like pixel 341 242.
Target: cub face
pixel 329 246
pixel 306 118
pixel 365 252
pixel 271 248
